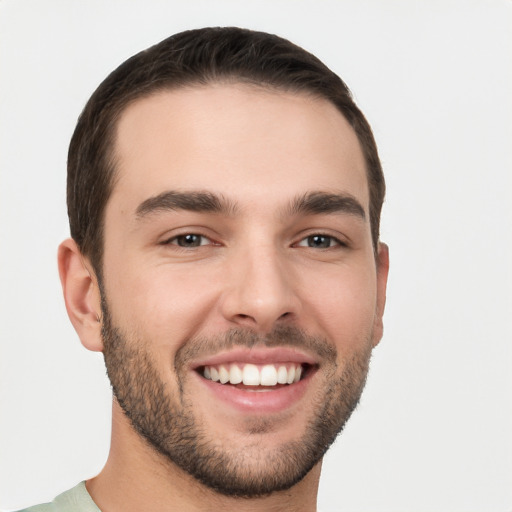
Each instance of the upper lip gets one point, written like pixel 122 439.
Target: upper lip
pixel 257 355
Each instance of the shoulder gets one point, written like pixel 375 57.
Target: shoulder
pixel 45 507
pixel 76 499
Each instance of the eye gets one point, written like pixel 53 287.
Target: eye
pixel 189 240
pixel 319 241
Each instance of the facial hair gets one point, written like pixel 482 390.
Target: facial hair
pixel 167 420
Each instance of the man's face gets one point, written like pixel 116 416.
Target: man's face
pixel 241 293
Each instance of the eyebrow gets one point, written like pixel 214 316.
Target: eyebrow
pixel 196 201
pixel 311 203
pixel 317 203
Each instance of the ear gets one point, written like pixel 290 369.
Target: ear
pixel 382 280
pixel 81 294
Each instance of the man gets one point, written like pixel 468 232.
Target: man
pixel 224 196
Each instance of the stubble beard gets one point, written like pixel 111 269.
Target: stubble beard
pixel 166 419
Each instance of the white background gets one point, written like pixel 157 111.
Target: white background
pixel 434 430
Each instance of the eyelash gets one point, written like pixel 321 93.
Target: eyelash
pixel 332 240
pixel 175 241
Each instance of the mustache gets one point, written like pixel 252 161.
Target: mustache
pixel 280 336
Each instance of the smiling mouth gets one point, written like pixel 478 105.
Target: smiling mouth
pixel 254 375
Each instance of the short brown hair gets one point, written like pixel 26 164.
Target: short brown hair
pixel 196 57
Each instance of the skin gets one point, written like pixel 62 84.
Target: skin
pixel 254 269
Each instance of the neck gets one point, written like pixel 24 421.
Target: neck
pixel 136 477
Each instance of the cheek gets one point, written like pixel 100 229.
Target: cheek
pixel 163 304
pixel 168 305
pixel 342 304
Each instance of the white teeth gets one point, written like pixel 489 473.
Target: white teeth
pixel 291 375
pixel 223 374
pixel 253 375
pixel 282 375
pixel 268 375
pixel 235 374
pixel 214 374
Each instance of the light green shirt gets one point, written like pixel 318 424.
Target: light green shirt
pixel 74 500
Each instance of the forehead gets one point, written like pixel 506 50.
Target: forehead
pixel 238 140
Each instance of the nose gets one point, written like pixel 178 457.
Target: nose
pixel 260 290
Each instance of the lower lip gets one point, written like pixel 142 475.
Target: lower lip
pixel 258 402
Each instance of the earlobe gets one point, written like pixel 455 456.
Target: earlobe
pixel 81 294
pixel 382 279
